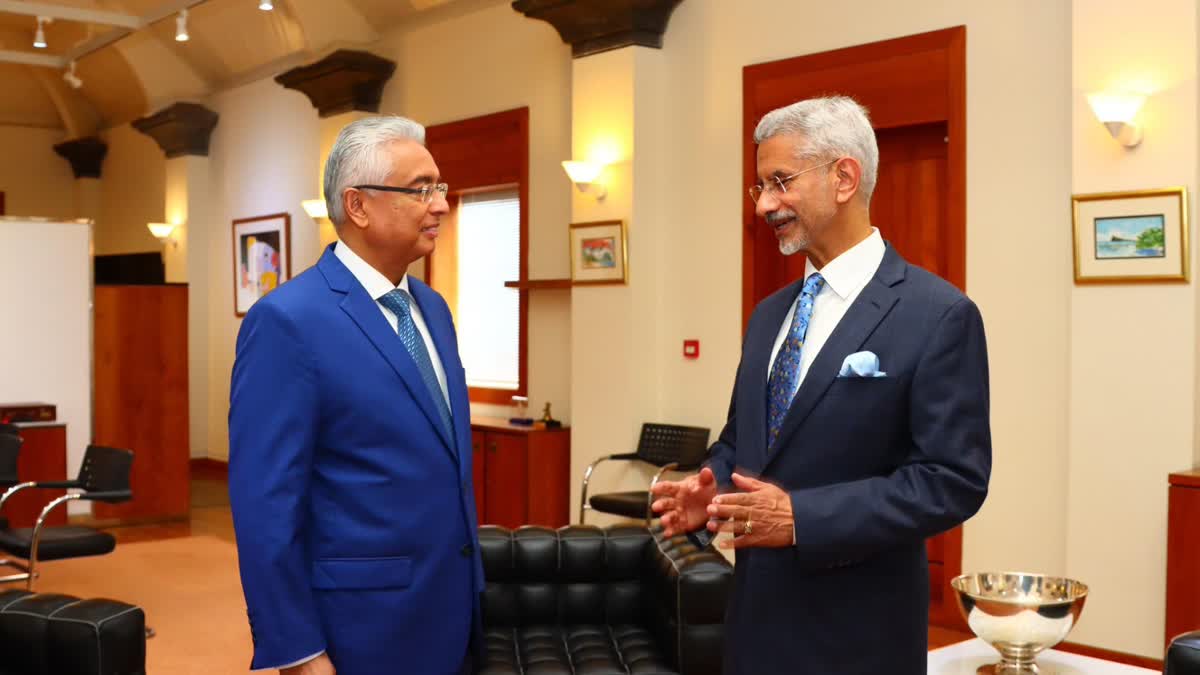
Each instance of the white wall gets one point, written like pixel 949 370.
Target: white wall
pixel 263 156
pixel 132 192
pixel 1130 418
pixel 34 179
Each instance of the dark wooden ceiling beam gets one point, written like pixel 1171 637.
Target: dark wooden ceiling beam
pixel 594 26
pixel 344 81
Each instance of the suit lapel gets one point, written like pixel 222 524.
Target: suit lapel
pixel 441 331
pixel 859 322
pixel 757 369
pixel 363 310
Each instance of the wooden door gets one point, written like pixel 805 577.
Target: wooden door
pixel 915 91
pixel 504 478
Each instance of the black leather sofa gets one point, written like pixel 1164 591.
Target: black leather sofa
pixel 1183 656
pixel 53 634
pixel 594 601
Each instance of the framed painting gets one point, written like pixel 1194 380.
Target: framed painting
pixel 1131 237
pixel 262 258
pixel 598 253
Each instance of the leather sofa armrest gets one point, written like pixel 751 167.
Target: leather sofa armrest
pixel 1183 656
pixel 690 588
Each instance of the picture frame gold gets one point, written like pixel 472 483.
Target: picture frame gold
pixel 599 253
pixel 1137 236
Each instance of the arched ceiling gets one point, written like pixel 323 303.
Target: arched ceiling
pixel 231 41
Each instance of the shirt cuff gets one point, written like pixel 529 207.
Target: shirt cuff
pixel 293 664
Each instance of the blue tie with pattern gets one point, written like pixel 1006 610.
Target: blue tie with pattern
pixel 785 374
pixel 399 301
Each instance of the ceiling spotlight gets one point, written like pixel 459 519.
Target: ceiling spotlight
pixel 266 5
pixel 39 36
pixel 181 34
pixel 71 78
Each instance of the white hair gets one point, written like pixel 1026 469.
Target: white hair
pixel 831 127
pixel 357 157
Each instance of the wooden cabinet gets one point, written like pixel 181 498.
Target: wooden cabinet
pixel 1183 553
pixel 520 474
pixel 43 457
pixel 141 402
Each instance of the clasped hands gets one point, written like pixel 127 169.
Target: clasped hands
pixel 758 516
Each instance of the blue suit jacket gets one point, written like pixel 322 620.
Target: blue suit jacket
pixel 873 466
pixel 352 505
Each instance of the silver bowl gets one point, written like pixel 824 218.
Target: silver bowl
pixel 1019 614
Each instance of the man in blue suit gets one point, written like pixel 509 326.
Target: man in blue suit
pixel 349 433
pixel 858 425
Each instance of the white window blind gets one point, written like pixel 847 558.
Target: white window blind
pixel 489 253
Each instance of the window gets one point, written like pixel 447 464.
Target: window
pixel 488 314
pixel 483 246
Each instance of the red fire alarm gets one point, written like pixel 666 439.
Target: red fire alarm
pixel 691 349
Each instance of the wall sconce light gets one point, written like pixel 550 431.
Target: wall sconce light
pixel 1116 111
pixel 585 176
pixel 315 208
pixel 162 232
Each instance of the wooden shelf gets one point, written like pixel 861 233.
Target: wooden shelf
pixel 539 284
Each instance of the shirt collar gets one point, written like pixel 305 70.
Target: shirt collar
pixel 371 279
pixel 852 269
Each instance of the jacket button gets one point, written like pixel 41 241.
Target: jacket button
pixel 467 550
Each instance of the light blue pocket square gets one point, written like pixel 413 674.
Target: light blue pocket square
pixel 861 364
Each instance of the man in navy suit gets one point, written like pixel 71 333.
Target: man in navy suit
pixel 858 425
pixel 350 440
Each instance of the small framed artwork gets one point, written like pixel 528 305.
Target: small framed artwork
pixel 262 257
pixel 1131 237
pixel 598 253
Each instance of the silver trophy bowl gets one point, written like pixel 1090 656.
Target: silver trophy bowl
pixel 1019 614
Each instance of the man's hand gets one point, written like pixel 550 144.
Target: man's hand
pixel 318 666
pixel 682 504
pixel 759 516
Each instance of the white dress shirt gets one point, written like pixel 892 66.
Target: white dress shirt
pixel 845 277
pixel 377 286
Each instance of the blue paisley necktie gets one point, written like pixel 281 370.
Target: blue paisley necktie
pixel 399 301
pixel 785 374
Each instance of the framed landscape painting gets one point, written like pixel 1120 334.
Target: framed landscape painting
pixel 598 253
pixel 261 258
pixel 1131 237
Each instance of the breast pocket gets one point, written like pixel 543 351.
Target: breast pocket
pixel 361 573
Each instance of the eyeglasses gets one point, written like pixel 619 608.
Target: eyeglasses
pixel 778 185
pixel 424 193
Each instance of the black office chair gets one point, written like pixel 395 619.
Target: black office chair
pixel 668 446
pixel 10 449
pixel 9 429
pixel 104 476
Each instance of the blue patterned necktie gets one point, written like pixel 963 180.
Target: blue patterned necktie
pixel 785 374
pixel 399 301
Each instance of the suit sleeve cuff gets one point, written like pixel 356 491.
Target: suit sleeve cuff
pixel 293 664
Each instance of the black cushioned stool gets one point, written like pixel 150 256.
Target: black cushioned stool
pixel 1183 656
pixel 593 601
pixel 53 634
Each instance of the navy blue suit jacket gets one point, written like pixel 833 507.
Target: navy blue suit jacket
pixel 352 504
pixel 873 467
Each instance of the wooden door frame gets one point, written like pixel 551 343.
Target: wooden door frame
pixel 934 92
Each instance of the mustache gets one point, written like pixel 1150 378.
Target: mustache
pixel 780 216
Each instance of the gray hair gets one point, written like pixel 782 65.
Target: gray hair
pixel 832 127
pixel 357 157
